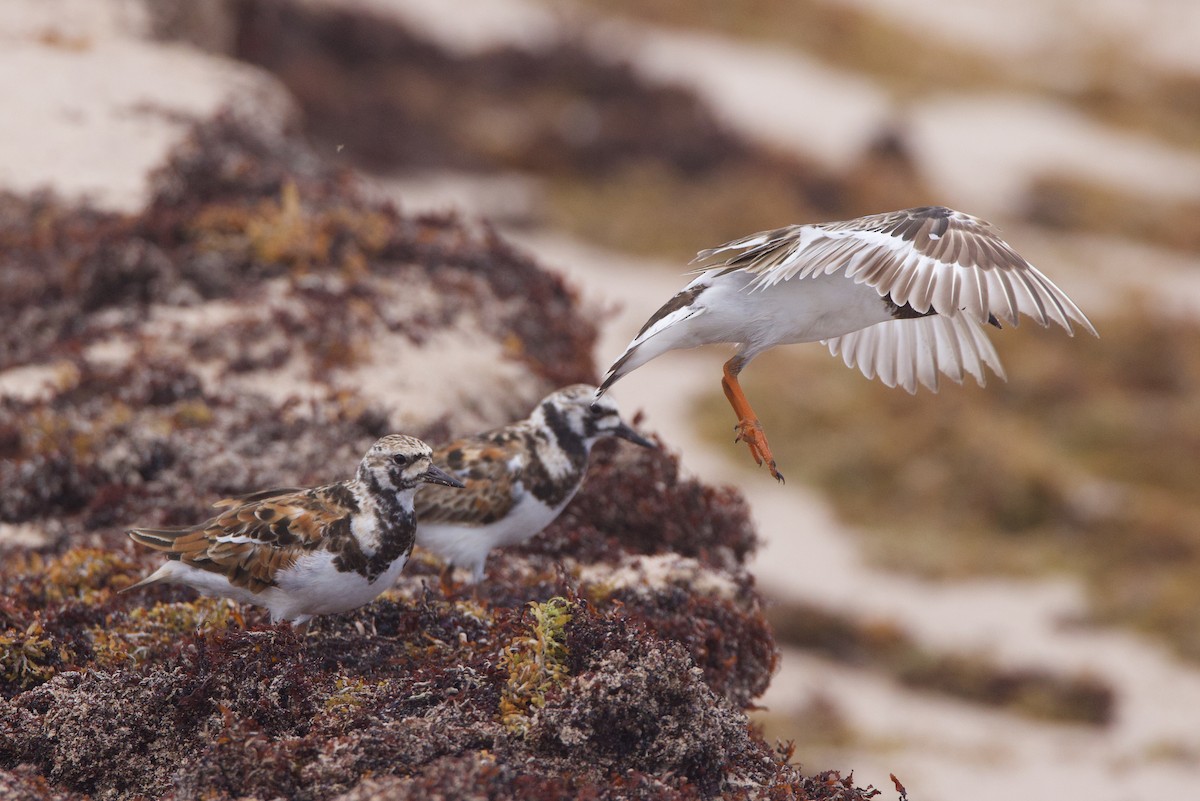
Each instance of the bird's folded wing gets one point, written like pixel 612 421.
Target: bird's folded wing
pixel 250 542
pixel 907 352
pixel 489 475
pixel 261 495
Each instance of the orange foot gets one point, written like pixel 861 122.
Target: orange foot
pixel 751 432
pixel 748 429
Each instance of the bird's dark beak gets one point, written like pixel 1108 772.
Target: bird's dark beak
pixel 436 475
pixel 625 432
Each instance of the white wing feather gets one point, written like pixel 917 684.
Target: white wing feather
pixel 908 353
pixel 930 259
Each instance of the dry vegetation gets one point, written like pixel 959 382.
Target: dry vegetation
pixel 842 36
pixel 1068 203
pixel 1084 462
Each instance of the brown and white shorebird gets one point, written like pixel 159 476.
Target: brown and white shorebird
pixel 518 477
pixel 902 296
pixel 306 552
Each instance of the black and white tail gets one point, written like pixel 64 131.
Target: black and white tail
pixel 659 334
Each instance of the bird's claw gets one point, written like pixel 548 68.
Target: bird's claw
pixel 751 433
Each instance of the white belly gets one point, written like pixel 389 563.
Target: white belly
pixel 315 587
pixel 468 546
pixel 800 310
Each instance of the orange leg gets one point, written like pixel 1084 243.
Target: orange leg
pixel 749 429
pixel 446 580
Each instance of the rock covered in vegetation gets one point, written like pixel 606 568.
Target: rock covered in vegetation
pixel 243 332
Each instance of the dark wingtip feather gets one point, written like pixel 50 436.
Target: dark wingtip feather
pixel 614 373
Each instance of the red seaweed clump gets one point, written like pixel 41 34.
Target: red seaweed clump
pixel 404 691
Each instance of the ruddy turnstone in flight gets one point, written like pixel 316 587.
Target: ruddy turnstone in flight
pixel 518 477
pixel 306 552
pixel 902 296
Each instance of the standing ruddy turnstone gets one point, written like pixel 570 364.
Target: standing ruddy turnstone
pixel 306 552
pixel 518 477
pixel 901 295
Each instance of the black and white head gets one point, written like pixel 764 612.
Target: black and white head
pixel 575 409
pixel 399 462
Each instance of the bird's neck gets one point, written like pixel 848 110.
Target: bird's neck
pixel 557 459
pixel 560 440
pixel 395 526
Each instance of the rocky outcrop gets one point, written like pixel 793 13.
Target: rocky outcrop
pixel 258 324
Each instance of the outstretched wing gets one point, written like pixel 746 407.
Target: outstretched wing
pixel 251 541
pixel 930 258
pixel 907 352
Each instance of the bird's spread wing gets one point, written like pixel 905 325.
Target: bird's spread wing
pixel 908 352
pixel 250 541
pixel 929 258
pixel 489 466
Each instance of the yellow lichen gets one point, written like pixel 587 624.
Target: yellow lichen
pixel 192 414
pixel 48 432
pixel 44 432
pixel 349 693
pixel 285 232
pixel 25 656
pixel 78 574
pixel 147 632
pixel 535 663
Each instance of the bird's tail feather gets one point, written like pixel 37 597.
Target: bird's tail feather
pixel 617 370
pixel 637 354
pixel 161 574
pixel 658 336
pixel 910 352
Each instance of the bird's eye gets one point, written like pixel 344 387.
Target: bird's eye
pixel 400 459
